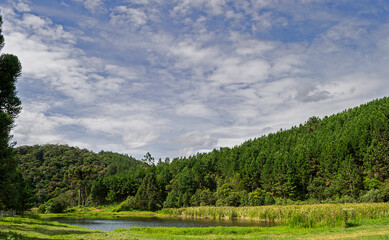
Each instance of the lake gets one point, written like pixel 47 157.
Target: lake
pixel 111 223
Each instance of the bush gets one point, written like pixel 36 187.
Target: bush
pixel 244 198
pixel 207 198
pixel 269 199
pixel 278 201
pixel 345 199
pixel 372 183
pixel 374 195
pixel 55 206
pixel 128 205
pixel 111 196
pixel 42 208
pixel 233 199
pixel 256 198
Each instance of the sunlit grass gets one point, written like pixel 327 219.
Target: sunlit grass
pixel 317 221
pixel 30 228
pixel 294 215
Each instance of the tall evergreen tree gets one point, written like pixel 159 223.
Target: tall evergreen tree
pixel 10 106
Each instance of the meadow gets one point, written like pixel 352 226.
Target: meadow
pixel 320 221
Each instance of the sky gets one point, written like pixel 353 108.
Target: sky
pixel 178 77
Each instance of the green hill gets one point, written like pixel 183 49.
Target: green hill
pixel 52 170
pixel 343 157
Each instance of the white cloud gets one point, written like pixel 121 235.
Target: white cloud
pixel 93 6
pixel 21 5
pixel 128 17
pixel 212 7
pixel 234 70
pixel 345 34
pixel 194 110
pixel 195 138
pixel 34 126
pixel 287 65
pixel 140 75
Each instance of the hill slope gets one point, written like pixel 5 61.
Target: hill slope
pixel 344 156
pixel 52 170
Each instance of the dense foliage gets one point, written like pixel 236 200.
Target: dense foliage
pixel 13 190
pixel 66 174
pixel 343 157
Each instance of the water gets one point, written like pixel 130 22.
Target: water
pixel 128 222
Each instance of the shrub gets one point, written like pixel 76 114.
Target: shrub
pixel 345 199
pixel 42 208
pixel 374 195
pixel 256 199
pixel 54 205
pixel 372 183
pixel 207 198
pixel 233 199
pixel 111 196
pixel 128 205
pixel 269 199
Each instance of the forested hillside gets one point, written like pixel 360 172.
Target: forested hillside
pixel 343 157
pixel 60 170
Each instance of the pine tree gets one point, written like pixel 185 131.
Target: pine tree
pixel 10 106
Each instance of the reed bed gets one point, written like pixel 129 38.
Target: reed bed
pixel 294 215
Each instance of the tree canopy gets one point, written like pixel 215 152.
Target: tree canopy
pixel 343 157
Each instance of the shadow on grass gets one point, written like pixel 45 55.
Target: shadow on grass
pixel 32 216
pixel 12 235
pixel 31 220
pixel 352 224
pixel 40 227
pixel 46 231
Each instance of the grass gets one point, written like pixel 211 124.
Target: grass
pixel 35 229
pixel 98 211
pixel 314 215
pixel 319 221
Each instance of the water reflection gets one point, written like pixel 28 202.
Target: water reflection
pixel 128 222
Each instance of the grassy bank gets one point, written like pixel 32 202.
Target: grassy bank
pixel 35 229
pixel 98 211
pixel 315 215
pixel 320 221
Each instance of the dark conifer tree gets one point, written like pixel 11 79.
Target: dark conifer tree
pixel 10 106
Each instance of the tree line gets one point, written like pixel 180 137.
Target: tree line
pixel 343 157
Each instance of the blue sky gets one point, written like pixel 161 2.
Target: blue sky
pixel 174 78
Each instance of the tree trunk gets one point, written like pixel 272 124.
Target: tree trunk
pixel 79 196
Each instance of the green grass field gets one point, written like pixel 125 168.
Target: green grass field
pixel 365 221
pixel 27 228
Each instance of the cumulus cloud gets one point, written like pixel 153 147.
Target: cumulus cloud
pixel 212 7
pixel 34 126
pixel 125 16
pixel 233 70
pixel 182 77
pixel 197 139
pixel 93 6
pixel 194 110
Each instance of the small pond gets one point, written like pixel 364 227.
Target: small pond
pixel 111 223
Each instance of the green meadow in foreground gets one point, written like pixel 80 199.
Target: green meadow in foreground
pixel 320 221
pixel 29 228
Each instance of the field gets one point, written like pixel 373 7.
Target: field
pixel 350 221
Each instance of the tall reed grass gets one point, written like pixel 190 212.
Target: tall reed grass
pixel 294 215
